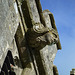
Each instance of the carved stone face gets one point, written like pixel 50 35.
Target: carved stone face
pixel 40 36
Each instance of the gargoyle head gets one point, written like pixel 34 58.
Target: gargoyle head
pixel 39 36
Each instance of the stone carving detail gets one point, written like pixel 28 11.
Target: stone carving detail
pixel 40 36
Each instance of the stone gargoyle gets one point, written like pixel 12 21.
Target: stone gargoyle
pixel 39 36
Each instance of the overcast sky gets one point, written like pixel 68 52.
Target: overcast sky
pixel 64 14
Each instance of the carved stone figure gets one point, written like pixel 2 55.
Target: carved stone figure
pixel 39 36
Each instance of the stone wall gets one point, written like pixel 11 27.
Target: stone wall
pixel 16 18
pixel 72 72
